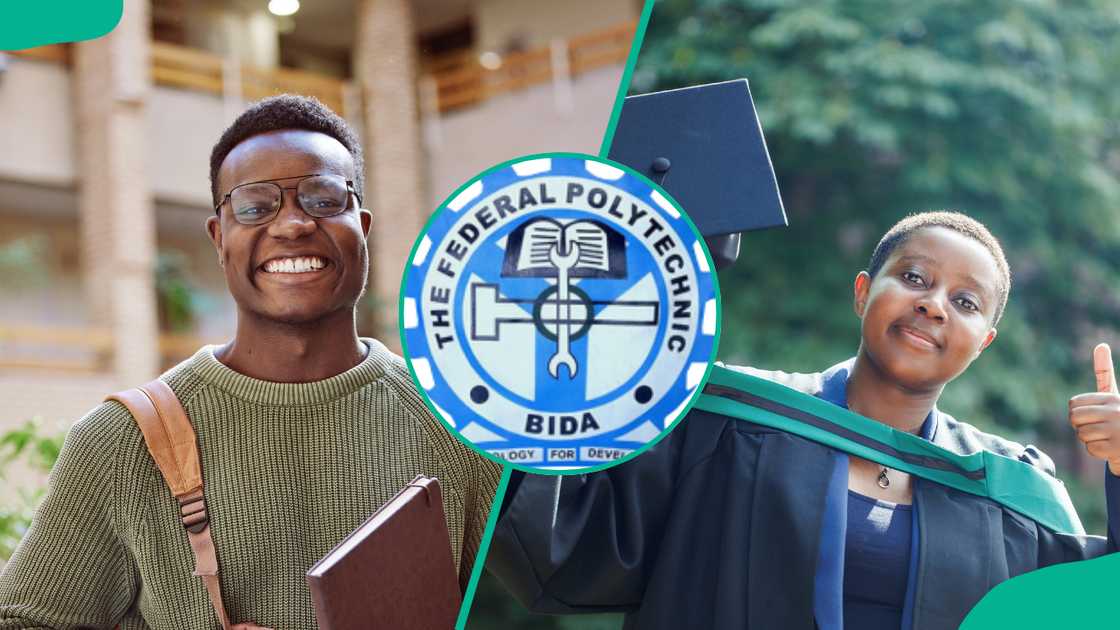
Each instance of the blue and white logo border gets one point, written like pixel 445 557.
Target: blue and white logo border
pixel 465 423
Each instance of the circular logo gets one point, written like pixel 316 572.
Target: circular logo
pixel 559 311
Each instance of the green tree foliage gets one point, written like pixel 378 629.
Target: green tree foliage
pixel 1003 110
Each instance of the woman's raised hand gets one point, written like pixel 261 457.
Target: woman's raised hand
pixel 1096 415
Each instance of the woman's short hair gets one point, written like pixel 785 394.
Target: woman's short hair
pixel 960 223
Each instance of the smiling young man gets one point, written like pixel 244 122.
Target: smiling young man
pixel 731 524
pixel 304 428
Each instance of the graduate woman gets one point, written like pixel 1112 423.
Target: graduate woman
pixel 730 524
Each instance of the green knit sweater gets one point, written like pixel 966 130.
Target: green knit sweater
pixel 290 470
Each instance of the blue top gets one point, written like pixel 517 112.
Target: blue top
pixel 849 542
pixel 876 562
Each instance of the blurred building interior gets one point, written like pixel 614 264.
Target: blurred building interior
pixel 107 277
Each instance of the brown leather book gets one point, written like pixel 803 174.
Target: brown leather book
pixel 394 571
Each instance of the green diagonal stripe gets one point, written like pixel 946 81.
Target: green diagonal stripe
pixel 627 74
pixel 483 549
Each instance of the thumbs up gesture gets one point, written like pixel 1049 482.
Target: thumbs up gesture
pixel 1096 415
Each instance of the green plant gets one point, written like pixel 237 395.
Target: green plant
pixel 24 262
pixel 37 448
pixel 176 295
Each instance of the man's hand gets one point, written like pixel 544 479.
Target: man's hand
pixel 1096 416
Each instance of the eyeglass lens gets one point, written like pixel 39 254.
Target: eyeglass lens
pixel 319 196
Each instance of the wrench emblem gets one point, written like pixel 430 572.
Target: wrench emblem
pixel 564 262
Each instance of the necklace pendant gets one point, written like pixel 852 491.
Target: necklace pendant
pixel 884 480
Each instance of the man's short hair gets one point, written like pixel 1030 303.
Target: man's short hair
pixel 286 111
pixel 960 223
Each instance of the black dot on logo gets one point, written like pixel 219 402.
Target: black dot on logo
pixel 479 394
pixel 643 394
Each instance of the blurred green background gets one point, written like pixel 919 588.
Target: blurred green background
pixel 1007 111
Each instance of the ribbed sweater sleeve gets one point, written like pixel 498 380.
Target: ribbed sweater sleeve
pixel 72 567
pixel 478 476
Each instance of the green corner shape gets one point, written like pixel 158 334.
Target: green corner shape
pixel 31 23
pixel 1071 595
pixel 627 75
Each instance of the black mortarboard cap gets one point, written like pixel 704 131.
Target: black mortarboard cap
pixel 704 145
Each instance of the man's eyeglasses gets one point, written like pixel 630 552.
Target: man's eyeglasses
pixel 321 196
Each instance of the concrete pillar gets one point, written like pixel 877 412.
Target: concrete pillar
pixel 385 69
pixel 111 83
pixel 246 33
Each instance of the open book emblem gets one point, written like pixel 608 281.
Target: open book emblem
pixel 590 249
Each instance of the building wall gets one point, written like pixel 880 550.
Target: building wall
pixel 37 196
pixel 37 125
pixel 516 124
pixel 183 126
pixel 249 35
pixel 535 23
pixel 37 130
pixel 50 292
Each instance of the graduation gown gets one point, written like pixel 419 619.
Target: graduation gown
pixel 719 525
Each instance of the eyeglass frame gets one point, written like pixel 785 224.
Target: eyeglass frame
pixel 350 188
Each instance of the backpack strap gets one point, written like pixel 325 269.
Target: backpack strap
pixel 171 440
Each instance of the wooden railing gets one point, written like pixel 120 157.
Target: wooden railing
pixel 183 67
pixel 59 349
pixel 77 350
pixel 601 48
pixel 194 69
pixel 190 68
pixel 459 79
